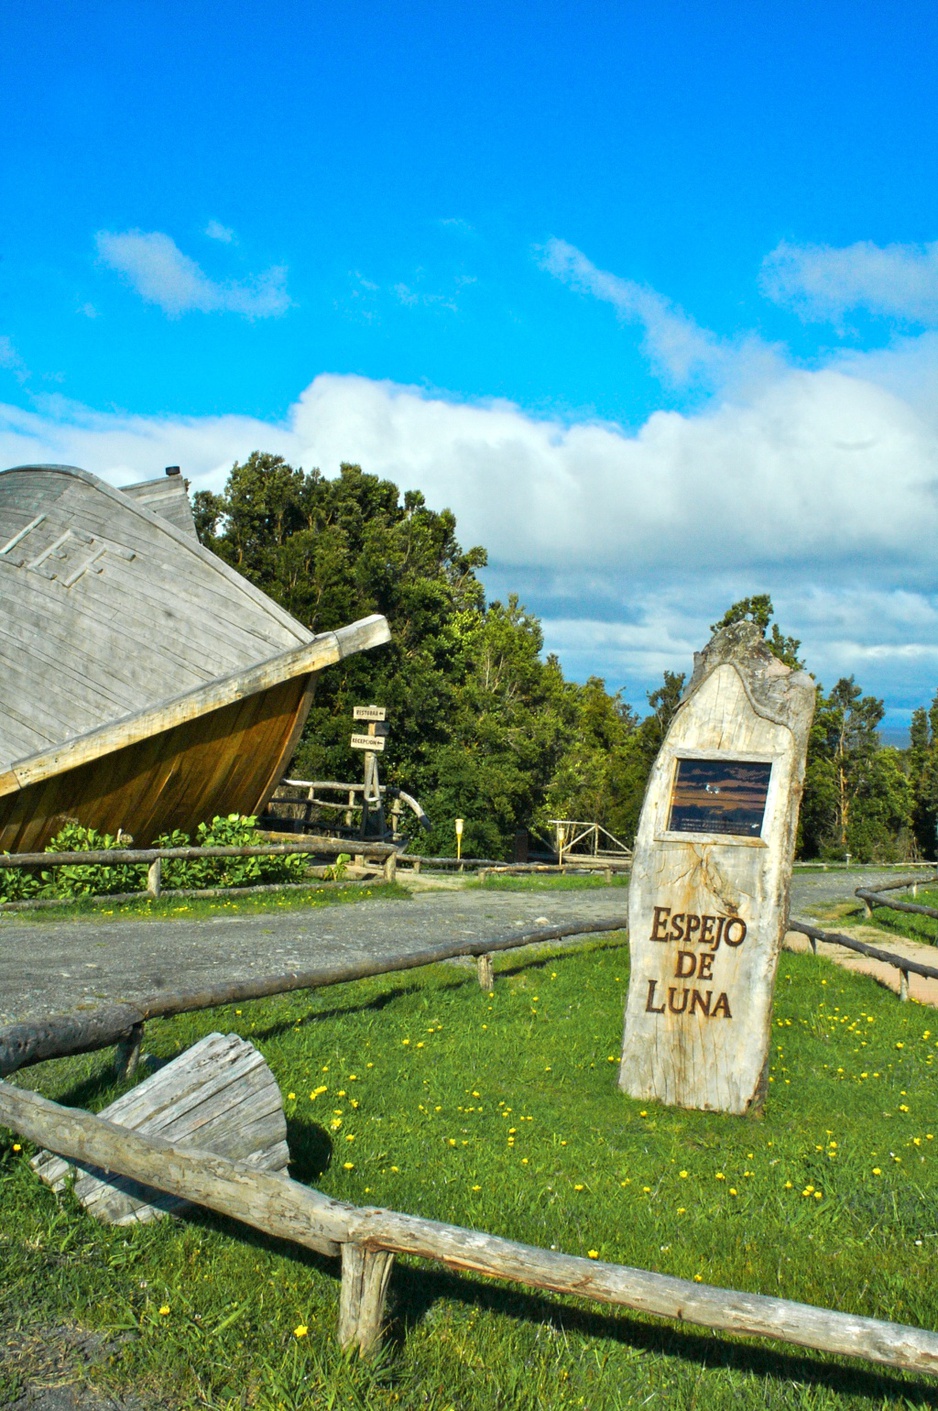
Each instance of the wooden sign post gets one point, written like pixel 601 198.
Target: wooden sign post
pixel 708 902
pixel 373 745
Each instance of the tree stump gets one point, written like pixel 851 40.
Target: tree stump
pixel 218 1096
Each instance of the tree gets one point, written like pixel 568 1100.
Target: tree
pixel 923 773
pixel 857 795
pixel 759 609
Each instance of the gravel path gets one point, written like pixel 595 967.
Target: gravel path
pixel 46 968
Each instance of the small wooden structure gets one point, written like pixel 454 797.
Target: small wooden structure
pixel 708 902
pixel 144 684
pixel 218 1096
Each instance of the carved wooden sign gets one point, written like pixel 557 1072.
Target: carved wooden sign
pixel 708 902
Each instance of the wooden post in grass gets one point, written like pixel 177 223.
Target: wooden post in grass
pixel 365 1275
pixel 708 902
pixel 486 973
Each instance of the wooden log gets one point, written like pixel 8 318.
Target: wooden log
pixel 365 1275
pixel 836 938
pixel 486 973
pixel 219 1096
pixel 711 876
pixel 871 899
pixel 901 883
pixel 111 856
pixel 286 1210
pixel 33 1041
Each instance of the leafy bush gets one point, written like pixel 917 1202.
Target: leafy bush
pixel 101 879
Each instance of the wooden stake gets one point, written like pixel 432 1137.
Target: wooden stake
pixel 486 973
pixel 155 877
pixel 365 1275
pixel 127 1055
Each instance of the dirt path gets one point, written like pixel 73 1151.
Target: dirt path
pixel 922 989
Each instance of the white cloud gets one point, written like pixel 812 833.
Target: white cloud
pixel 824 282
pixel 10 359
pixel 216 231
pixel 153 264
pixel 820 487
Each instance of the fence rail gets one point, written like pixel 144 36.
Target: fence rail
pixel 902 963
pixel 367 1238
pixel 153 858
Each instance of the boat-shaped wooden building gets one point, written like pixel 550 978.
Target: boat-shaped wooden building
pixel 144 684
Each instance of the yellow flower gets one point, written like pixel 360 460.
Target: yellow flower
pixel 405 1041
pixel 578 1187
pixel 300 1330
pixel 291 1097
pixel 719 1176
pixel 877 1171
pixel 698 1278
pixel 592 1254
pixel 733 1190
pixel 683 1175
pixel 476 1188
pixel 348 1165
pixel 17 1147
pixel 788 1185
pixel 164 1310
pixel 682 1210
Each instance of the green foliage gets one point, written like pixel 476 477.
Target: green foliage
pixel 858 797
pixel 80 880
pixel 758 609
pixel 101 879
pixel 507 1118
pixel 923 771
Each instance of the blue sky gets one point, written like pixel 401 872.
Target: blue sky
pixel 647 292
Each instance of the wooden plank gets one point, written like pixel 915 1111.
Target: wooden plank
pixel 219 1096
pixel 283 1209
pixel 368 742
pixel 324 650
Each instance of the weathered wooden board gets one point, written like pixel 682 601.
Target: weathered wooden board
pixel 144 684
pixel 219 1096
pixel 708 901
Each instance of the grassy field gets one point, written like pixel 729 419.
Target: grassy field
pixel 501 1112
pixel 901 923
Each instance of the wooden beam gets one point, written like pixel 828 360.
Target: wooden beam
pixel 34 1041
pixel 322 651
pixel 286 1210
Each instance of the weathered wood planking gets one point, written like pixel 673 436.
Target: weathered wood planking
pixel 218 1096
pixel 144 685
pixel 708 901
pixel 284 1209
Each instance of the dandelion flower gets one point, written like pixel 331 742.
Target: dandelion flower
pixel 300 1330
pixel 578 1187
pixel 17 1147
pixel 683 1175
pixel 164 1310
pixel 592 1254
pixel 877 1171
pixel 348 1165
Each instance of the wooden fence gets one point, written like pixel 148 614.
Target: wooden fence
pixel 366 1239
pixel 384 854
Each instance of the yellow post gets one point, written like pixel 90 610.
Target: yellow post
pixel 459 823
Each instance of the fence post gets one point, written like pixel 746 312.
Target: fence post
pixel 485 972
pixel 365 1275
pixel 155 877
pixel 128 1053
pixel 390 867
pixel 867 909
pixel 903 984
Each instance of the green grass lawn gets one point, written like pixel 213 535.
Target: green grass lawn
pixel 501 1112
pixel 551 882
pixel 904 923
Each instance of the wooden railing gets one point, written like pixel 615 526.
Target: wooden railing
pixel 153 859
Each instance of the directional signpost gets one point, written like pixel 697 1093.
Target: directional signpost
pixel 708 901
pixel 372 742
